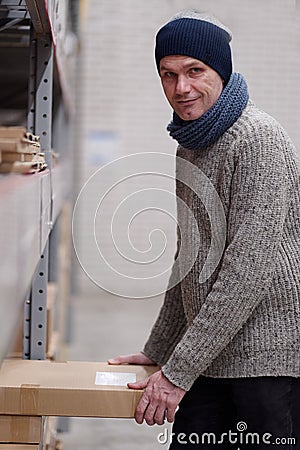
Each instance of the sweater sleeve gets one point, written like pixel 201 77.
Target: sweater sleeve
pixel 171 322
pixel 259 205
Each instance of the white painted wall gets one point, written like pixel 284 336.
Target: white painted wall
pixel 123 111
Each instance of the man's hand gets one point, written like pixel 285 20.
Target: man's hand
pixel 135 358
pixel 159 401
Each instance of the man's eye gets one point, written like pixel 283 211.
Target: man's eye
pixel 196 70
pixel 170 74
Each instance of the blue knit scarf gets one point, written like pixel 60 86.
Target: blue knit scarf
pixel 199 133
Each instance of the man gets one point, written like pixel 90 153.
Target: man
pixel 229 347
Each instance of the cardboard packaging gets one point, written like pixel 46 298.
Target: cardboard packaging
pixel 16 348
pixel 21 429
pixel 19 447
pixel 74 388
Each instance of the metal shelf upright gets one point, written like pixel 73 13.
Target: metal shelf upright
pixel 30 205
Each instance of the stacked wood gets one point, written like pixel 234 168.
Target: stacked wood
pixel 20 151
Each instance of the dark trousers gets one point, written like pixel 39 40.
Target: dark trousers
pixel 240 413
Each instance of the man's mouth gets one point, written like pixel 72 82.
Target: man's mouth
pixel 186 102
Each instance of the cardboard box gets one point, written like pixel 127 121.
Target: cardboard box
pixel 74 389
pixel 16 349
pixel 53 346
pixel 19 447
pixel 21 429
pixel 13 132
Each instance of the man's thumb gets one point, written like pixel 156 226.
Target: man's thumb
pixel 139 384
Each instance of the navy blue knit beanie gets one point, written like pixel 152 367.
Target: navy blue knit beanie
pixel 200 39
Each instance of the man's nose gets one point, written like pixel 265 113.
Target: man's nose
pixel 183 85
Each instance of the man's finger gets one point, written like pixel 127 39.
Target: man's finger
pixel 160 413
pixel 117 360
pixel 133 358
pixel 141 409
pixel 139 384
pixel 150 413
pixel 121 360
pixel 170 413
pixel 159 416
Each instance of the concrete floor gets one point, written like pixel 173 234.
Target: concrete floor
pixel 104 326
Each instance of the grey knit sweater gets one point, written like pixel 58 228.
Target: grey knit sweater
pixel 244 321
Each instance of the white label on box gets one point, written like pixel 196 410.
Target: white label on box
pixel 114 378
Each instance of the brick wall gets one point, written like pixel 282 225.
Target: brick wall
pixel 122 110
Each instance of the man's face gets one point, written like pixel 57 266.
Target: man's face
pixel 190 86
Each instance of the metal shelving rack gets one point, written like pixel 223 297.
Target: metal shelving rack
pixel 39 34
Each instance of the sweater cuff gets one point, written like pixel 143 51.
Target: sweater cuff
pixel 180 373
pixel 154 353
